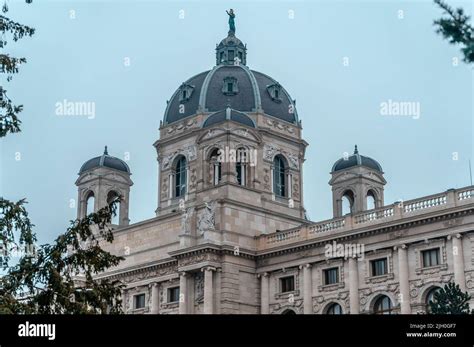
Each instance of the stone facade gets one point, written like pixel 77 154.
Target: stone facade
pixel 226 241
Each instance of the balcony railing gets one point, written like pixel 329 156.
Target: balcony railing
pixel 396 211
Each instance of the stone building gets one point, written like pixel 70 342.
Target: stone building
pixel 231 234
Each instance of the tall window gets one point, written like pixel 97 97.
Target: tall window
pixel 90 201
pixel 430 257
pixel 331 276
pixel 379 267
pixel 180 177
pixel 111 196
pixel 231 55
pixel 370 200
pixel 241 166
pixel 334 309
pixel 279 184
pixel 430 298
pixel 287 284
pixel 139 301
pixel 383 305
pixel 216 167
pixel 347 202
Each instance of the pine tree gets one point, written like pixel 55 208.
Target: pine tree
pixel 59 277
pixel 9 122
pixel 450 300
pixel 456 29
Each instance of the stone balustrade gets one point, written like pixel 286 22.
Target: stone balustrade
pixel 396 211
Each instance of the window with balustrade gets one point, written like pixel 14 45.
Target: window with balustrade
pixel 379 267
pixel 331 276
pixel 431 257
pixel 139 301
pixel 287 284
pixel 173 294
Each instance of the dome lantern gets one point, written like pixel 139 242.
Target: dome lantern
pixel 231 51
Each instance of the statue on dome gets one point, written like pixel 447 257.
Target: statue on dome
pixel 231 21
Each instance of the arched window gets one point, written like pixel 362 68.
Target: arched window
pixel 241 166
pixel 430 298
pixel 383 305
pixel 90 203
pixel 180 177
pixel 371 200
pixel 216 169
pixel 347 202
pixel 288 311
pixel 279 180
pixel 111 196
pixel 334 309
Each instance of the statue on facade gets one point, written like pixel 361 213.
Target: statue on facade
pixel 231 21
pixel 207 220
pixel 186 220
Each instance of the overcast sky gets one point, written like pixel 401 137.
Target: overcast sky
pixel 339 59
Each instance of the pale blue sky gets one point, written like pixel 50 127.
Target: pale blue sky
pixel 82 59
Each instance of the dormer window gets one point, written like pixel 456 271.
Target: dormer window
pixel 185 92
pixel 230 86
pixel 274 90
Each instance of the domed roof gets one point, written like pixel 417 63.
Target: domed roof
pixel 230 84
pixel 356 160
pixel 228 114
pixel 105 160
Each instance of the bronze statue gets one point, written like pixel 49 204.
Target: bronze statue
pixel 231 21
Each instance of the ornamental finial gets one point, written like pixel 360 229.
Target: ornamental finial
pixel 356 151
pixel 105 151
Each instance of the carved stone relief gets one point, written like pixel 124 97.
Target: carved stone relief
pixel 206 219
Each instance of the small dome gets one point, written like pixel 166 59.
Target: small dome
pixel 356 160
pixel 105 160
pixel 228 114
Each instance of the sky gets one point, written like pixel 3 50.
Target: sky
pixel 341 60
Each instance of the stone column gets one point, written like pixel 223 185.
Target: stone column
pixel 264 294
pixel 170 184
pixel 271 182
pixel 208 290
pixel 458 262
pixel 403 278
pixel 187 183
pixel 155 298
pixel 353 285
pixel 290 183
pixel 183 293
pixel 308 297
pixel 124 302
